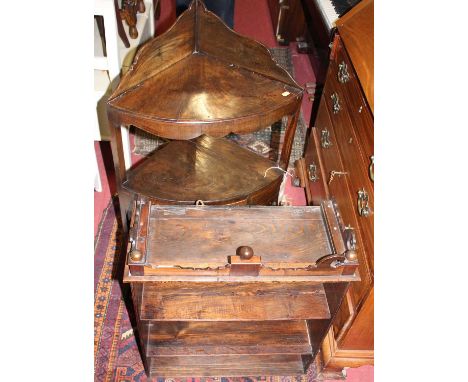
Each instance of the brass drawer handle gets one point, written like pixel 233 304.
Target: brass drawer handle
pixel 343 75
pixel 371 168
pixel 336 103
pixel 313 172
pixel 363 203
pixel 325 139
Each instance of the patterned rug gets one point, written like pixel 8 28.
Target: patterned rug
pixel 116 355
pixel 266 142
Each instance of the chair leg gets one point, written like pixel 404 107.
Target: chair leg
pixel 119 165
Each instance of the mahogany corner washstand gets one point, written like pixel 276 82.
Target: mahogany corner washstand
pixel 195 84
pixel 236 290
pixel 226 289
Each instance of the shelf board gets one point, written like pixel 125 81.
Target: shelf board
pixel 226 366
pixel 173 301
pixel 214 170
pixel 227 337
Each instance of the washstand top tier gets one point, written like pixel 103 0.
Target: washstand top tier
pixel 200 77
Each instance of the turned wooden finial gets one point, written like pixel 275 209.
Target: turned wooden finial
pixel 245 252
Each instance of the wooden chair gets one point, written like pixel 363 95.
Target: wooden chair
pixel 194 85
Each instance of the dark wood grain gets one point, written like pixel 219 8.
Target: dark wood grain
pixel 228 337
pixel 360 336
pixel 316 178
pixel 206 236
pixel 356 103
pixel 288 20
pixel 231 317
pixel 349 341
pixel 199 75
pixel 199 78
pixel 226 365
pixel 174 301
pixel 340 190
pixel 355 161
pixel 202 317
pixel 216 171
pixel 356 29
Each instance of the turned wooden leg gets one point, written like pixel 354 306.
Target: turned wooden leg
pixel 120 172
pixel 289 139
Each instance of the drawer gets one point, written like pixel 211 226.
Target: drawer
pixel 363 123
pixel 344 76
pixel 315 184
pixel 326 143
pixel 340 190
pixel 354 165
pixel 361 190
pixel 341 69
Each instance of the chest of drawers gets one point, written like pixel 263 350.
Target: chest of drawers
pixel 338 165
pixel 236 291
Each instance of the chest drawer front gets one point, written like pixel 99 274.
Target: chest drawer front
pixel 316 190
pixel 349 87
pixel 326 144
pixel 342 69
pixel 354 164
pixel 339 190
pixel 363 123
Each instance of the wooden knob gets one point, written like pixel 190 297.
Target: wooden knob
pixel 136 255
pixel 245 252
